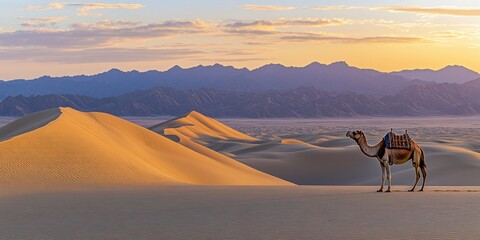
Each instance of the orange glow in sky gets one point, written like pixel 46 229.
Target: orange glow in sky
pixel 52 38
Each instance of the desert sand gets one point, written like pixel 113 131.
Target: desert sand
pixel 72 175
pixel 200 212
pixel 64 147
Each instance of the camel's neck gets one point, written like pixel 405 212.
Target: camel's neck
pixel 368 150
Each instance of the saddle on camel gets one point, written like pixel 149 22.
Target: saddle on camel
pixel 394 141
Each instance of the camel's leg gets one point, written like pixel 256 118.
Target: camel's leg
pixel 417 177
pixel 424 173
pixel 389 177
pixel 382 165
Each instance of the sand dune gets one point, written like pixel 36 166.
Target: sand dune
pixel 196 125
pixel 63 147
pixel 191 129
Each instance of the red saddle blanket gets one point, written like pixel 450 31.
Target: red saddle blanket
pixel 393 141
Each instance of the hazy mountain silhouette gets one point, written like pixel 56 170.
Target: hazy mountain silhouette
pixel 448 74
pixel 273 90
pixel 336 77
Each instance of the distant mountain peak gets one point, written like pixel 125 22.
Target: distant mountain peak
pixel 114 70
pixel 339 63
pixel 456 67
pixel 451 74
pixel 314 65
pixel 271 66
pixel 215 66
pixel 175 68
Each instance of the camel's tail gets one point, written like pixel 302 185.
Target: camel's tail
pixel 422 159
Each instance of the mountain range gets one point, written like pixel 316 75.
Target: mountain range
pixel 448 74
pixel 417 100
pixel 316 90
pixel 336 77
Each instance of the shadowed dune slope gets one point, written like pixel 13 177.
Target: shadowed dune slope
pixel 28 123
pixel 97 149
pixel 196 125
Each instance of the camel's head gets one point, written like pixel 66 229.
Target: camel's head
pixel 355 135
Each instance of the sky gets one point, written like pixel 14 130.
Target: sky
pixel 86 37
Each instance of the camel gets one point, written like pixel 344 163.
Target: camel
pixel 388 157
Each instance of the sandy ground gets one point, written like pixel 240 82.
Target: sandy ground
pixel 298 212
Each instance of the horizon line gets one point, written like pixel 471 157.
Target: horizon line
pixel 234 67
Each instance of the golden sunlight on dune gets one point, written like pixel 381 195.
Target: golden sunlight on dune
pixel 196 125
pixel 65 147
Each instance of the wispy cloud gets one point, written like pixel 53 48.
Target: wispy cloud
pixel 388 39
pixel 454 11
pixel 41 21
pixel 85 8
pixel 340 7
pixel 96 55
pixel 99 34
pixel 252 7
pixel 105 24
pixel 262 27
pixel 316 37
pixel 289 22
pixel 434 10
pixel 50 6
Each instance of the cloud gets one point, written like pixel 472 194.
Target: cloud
pixel 315 37
pixel 412 9
pixel 388 39
pixel 50 6
pixel 264 27
pixel 289 22
pixel 98 34
pixel 85 8
pixel 105 24
pixel 249 31
pixel 42 21
pixel 336 7
pixel 251 7
pixel 434 10
pixel 96 55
